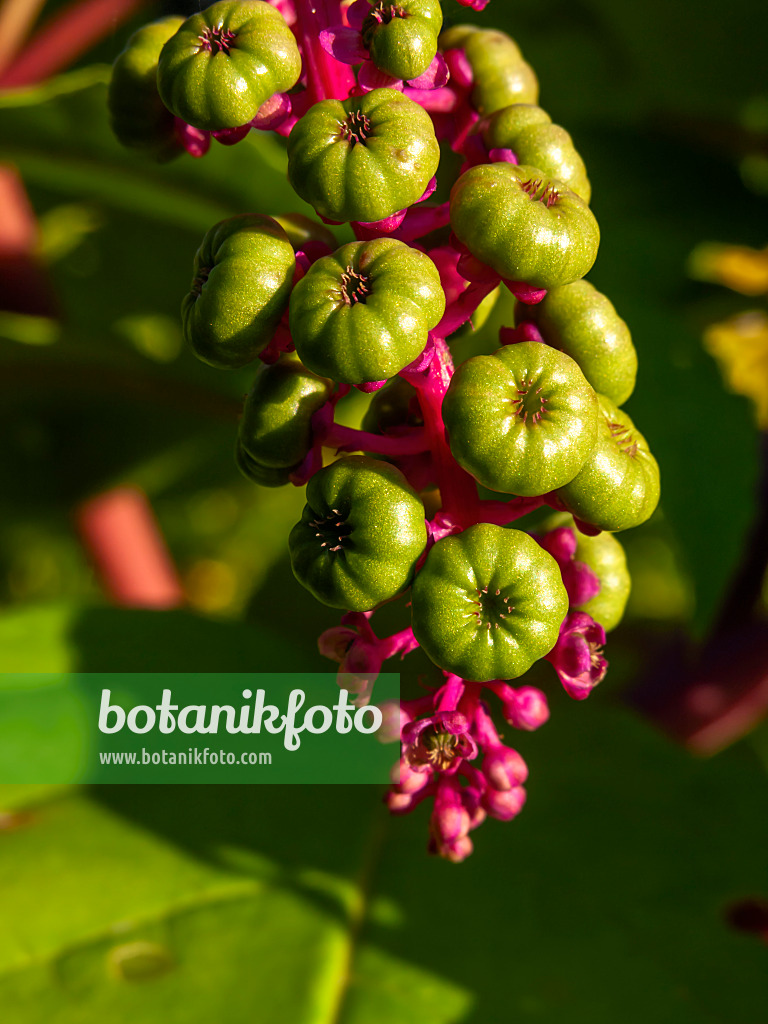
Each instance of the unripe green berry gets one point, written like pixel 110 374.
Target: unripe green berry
pixel 224 63
pixel 364 158
pixel 243 272
pixel 618 486
pixel 360 535
pixel 581 321
pixel 523 420
pixel 523 225
pixel 402 36
pixel 138 116
pixel 528 131
pixel 364 313
pixel 488 603
pixel 501 76
pixel 276 425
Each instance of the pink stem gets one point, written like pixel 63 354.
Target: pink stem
pixel 399 643
pixel 451 693
pixel 501 512
pixel 457 488
pixel 383 444
pixel 462 308
pixel 326 78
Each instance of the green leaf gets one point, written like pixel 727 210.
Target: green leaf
pixel 606 900
pixel 59 137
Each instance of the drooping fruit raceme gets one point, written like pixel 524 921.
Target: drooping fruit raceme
pixel 433 513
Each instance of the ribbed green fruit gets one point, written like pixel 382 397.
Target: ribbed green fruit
pixel 243 272
pixel 402 37
pixel 138 116
pixel 488 603
pixel 360 535
pixel 528 131
pixel 524 225
pixel 501 76
pixel 581 321
pixel 365 312
pixel 618 486
pixel 523 420
pixel 365 158
pixel 224 63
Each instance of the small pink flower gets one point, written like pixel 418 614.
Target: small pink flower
pixel 577 655
pixel 438 743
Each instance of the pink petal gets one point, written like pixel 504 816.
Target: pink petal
pixel 438 101
pixel 272 112
pixel 435 77
pixel 357 13
pixel 476 5
pixel 527 331
pixel 526 292
pixel 369 77
pixel 502 155
pixel 343 44
pixel 459 67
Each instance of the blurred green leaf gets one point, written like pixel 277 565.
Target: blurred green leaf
pixel 58 135
pixel 605 901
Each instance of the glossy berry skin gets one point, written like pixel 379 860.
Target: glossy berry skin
pixel 364 313
pixel 500 75
pixel 360 535
pixel 243 272
pixel 581 321
pixel 223 63
pixel 605 557
pixel 488 603
pixel 265 476
pixel 618 486
pixel 138 116
pixel 523 420
pixel 402 36
pixel 528 131
pixel 365 158
pixel 525 226
pixel 276 425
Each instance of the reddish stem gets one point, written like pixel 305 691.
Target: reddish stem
pixel 326 78
pixel 350 439
pixel 457 487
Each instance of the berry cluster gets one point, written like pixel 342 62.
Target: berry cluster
pixel 367 93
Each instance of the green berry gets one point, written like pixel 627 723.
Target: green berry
pixel 364 313
pixel 523 420
pixel 243 272
pixel 265 476
pixel 488 603
pixel 360 535
pixel 365 158
pixel 224 63
pixel 528 131
pixel 276 425
pixel 605 557
pixel 402 37
pixel 524 225
pixel 138 116
pixel 501 76
pixel 618 486
pixel 581 321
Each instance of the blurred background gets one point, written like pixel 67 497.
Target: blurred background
pixel 634 886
